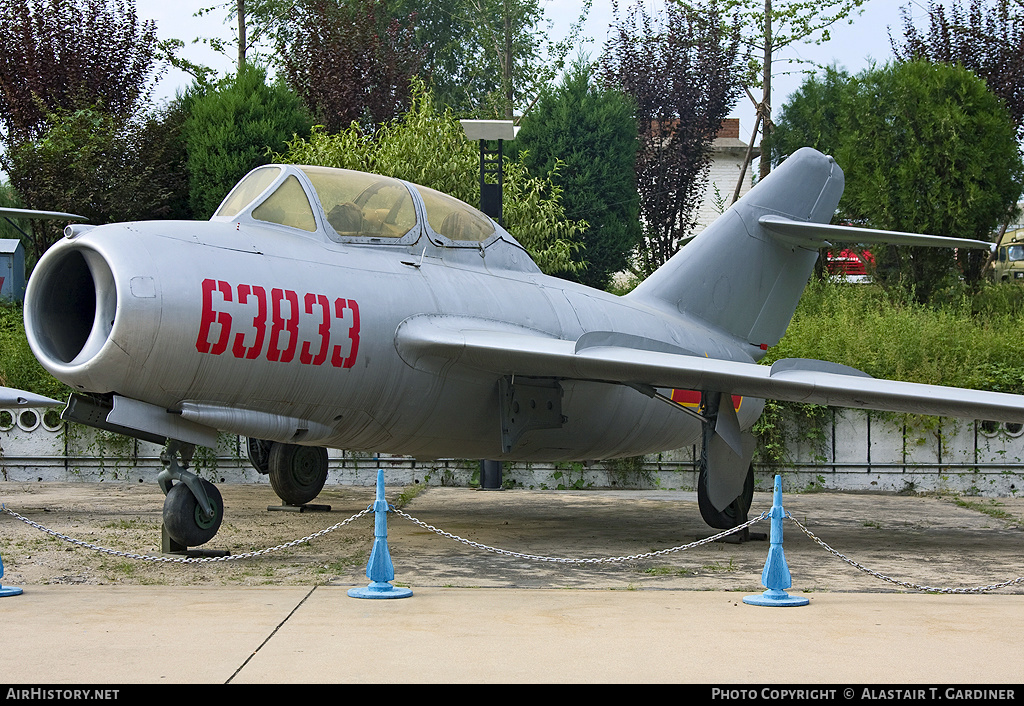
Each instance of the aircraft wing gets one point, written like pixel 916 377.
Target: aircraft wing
pixel 437 342
pixel 40 215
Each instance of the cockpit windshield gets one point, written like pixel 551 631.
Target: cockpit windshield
pixel 363 205
pixel 254 184
pixel 454 219
pixel 357 204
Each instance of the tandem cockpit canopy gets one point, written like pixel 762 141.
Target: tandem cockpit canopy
pixel 356 205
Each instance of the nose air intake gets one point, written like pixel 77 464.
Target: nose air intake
pixel 70 305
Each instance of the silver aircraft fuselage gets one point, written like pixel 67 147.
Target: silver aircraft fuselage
pixel 267 331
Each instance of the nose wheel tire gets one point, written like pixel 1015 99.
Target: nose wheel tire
pixel 297 473
pixel 184 518
pixel 735 513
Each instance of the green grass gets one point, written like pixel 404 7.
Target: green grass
pixel 960 339
pixel 992 508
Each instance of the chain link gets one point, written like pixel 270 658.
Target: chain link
pixel 183 560
pixel 565 560
pixel 904 584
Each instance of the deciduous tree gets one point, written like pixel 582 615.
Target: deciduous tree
pixel 683 70
pixel 349 62
pixel 65 55
pixel 988 39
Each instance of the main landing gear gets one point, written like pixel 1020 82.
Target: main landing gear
pixel 726 469
pixel 735 513
pixel 297 473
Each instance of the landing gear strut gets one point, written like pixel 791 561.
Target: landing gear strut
pixel 193 508
pixel 735 513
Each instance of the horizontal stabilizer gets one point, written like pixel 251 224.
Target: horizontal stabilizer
pixel 823 234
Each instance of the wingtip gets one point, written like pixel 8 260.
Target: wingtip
pixel 10 397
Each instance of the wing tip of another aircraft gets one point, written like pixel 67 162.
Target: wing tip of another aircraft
pixel 11 397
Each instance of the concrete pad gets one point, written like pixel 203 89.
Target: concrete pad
pixel 166 635
pixel 136 634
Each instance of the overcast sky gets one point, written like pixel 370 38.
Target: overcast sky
pixel 852 45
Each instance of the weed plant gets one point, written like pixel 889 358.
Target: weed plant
pixel 18 367
pixel 962 338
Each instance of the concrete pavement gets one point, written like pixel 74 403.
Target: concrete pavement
pixel 470 621
pixel 169 635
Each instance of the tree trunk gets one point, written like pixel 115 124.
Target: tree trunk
pixel 240 7
pixel 766 100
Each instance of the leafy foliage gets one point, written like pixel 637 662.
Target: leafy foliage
pixel 58 56
pixel 481 56
pixel 262 23
pixel 9 199
pixel 768 27
pixel 590 129
pixel 988 40
pixel 230 131
pixel 428 147
pixel 814 116
pixel 683 73
pixel 926 148
pixel 963 339
pixel 18 367
pixel 348 62
pixel 90 163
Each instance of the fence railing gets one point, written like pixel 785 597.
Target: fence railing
pixel 851 450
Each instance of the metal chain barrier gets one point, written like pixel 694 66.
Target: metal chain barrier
pixel 518 555
pixel 565 560
pixel 903 584
pixel 183 560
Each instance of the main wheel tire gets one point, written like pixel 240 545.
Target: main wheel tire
pixel 297 473
pixel 735 513
pixel 184 518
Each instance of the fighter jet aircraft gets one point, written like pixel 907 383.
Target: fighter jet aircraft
pixel 329 308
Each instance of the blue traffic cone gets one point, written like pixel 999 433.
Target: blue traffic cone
pixel 7 590
pixel 379 568
pixel 776 577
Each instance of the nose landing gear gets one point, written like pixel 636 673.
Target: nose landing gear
pixel 193 508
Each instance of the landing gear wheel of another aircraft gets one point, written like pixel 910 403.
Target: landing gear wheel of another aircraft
pixel 258 451
pixel 297 473
pixel 735 513
pixel 184 518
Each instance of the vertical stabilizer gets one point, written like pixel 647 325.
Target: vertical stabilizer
pixel 738 277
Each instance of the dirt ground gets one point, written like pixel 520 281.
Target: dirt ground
pixel 940 542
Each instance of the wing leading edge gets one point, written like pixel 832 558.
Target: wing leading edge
pixel 437 342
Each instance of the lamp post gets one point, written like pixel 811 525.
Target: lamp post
pixel 491 178
pixel 491 174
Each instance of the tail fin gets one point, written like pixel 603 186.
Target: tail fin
pixel 737 276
